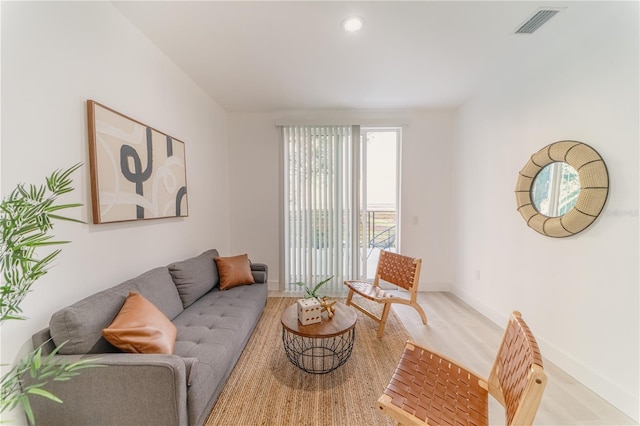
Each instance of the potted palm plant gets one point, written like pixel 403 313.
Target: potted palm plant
pixel 312 292
pixel 26 219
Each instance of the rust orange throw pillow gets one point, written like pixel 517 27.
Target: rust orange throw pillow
pixel 234 271
pixel 141 328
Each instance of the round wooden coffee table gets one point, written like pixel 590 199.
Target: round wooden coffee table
pixel 321 347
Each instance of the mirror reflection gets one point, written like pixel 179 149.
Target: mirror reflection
pixel 555 189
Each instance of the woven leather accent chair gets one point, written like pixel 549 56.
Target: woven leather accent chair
pixel 401 271
pixel 430 389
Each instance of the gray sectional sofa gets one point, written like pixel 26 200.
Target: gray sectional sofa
pixel 153 389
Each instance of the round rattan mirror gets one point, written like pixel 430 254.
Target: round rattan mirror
pixel 592 179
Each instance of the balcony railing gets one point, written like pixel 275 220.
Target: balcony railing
pixel 319 242
pixel 381 226
pixel 380 229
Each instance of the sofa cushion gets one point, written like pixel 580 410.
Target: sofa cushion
pixel 195 277
pixel 214 330
pixel 80 325
pixel 234 271
pixel 141 328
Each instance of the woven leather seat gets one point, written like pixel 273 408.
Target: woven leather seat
pixel 429 389
pixel 401 271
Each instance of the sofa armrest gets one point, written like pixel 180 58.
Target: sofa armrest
pixel 131 389
pixel 260 272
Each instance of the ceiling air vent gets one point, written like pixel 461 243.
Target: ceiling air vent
pixel 537 20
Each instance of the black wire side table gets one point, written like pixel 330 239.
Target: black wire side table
pixel 322 347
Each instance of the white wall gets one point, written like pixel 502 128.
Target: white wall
pixel 579 294
pixel 55 56
pixel 253 189
pixel 426 184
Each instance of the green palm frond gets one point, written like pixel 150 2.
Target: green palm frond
pixel 313 292
pixel 14 391
pixel 26 218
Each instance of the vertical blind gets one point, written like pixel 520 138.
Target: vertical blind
pixel 320 209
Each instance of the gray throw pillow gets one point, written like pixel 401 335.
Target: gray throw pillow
pixel 195 277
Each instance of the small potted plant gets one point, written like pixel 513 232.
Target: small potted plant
pixel 325 304
pixel 312 292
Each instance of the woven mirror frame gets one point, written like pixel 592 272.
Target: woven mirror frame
pixel 594 188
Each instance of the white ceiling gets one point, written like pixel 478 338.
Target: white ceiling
pixel 293 55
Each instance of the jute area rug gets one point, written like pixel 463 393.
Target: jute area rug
pixel 266 389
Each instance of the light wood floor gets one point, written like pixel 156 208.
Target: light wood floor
pixel 458 331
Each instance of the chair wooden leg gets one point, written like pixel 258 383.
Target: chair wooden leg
pixel 383 319
pixel 421 312
pixel 349 297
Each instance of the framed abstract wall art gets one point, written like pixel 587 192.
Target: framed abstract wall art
pixel 137 172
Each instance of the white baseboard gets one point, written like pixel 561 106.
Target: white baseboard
pixel 608 390
pixel 605 388
pixel 274 286
pixel 433 286
pixel 483 308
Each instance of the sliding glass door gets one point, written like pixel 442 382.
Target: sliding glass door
pixel 380 165
pixel 320 206
pixel 340 203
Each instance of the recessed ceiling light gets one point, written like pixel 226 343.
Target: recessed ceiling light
pixel 352 23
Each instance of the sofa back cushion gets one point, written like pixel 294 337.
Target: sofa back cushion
pixel 80 325
pixel 195 277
